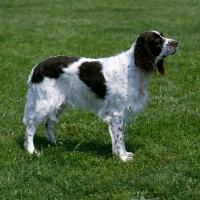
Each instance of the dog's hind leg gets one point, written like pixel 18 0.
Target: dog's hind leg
pixel 28 120
pixel 34 120
pixel 50 125
pixel 29 135
pixel 36 112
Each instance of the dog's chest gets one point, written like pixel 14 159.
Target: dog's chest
pixel 128 88
pixel 137 87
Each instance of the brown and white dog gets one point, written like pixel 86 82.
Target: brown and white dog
pixel 115 87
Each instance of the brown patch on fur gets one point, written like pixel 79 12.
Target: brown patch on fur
pixel 90 73
pixel 51 68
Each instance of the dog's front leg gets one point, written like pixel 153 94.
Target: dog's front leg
pixel 116 130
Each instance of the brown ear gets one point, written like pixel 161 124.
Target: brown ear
pixel 144 59
pixel 160 67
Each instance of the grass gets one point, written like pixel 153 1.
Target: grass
pixel 165 136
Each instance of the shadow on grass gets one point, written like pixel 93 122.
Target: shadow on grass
pixel 97 148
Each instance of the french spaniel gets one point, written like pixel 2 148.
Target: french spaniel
pixel 115 87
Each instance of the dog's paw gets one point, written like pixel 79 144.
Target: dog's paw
pixel 29 148
pixel 51 138
pixel 127 156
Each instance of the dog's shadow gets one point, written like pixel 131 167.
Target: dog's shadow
pixel 94 147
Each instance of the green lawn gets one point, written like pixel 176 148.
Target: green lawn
pixel 165 137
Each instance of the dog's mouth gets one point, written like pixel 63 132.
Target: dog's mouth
pixel 173 51
pixel 170 51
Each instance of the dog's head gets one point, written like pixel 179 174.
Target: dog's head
pixel 151 48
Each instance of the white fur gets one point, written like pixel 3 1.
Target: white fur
pixel 126 95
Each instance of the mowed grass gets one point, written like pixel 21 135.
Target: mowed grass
pixel 165 137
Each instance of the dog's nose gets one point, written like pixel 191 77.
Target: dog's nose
pixel 173 43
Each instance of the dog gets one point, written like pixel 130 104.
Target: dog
pixel 114 87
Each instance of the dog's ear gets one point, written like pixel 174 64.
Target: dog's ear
pixel 144 59
pixel 160 67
